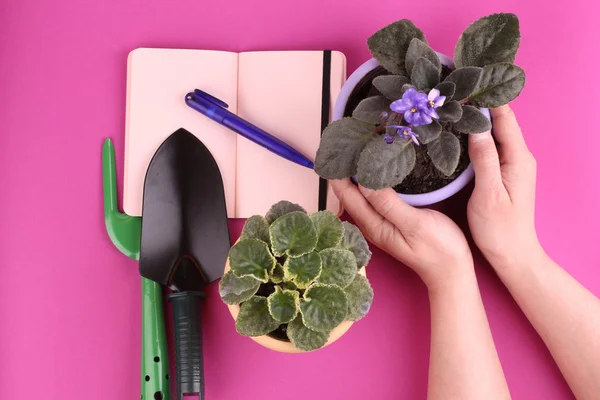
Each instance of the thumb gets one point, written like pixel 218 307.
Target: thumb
pixel 485 160
pixel 390 206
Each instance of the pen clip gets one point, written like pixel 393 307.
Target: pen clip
pixel 206 96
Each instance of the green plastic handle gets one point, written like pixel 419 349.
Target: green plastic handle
pixel 124 231
pixel 155 358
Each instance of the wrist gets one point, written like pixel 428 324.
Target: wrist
pixel 460 276
pixel 531 256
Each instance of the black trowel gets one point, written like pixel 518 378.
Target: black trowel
pixel 184 242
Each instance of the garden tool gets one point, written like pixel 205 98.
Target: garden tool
pixel 184 242
pixel 124 231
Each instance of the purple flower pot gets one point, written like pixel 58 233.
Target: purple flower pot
pixel 423 199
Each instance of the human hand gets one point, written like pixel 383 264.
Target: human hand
pixel 501 208
pixel 425 240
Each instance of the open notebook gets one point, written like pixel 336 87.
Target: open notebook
pixel 278 91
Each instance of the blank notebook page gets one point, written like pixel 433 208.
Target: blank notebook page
pixel 157 82
pixel 281 92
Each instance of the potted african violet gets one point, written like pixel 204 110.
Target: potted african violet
pixel 295 282
pixel 402 118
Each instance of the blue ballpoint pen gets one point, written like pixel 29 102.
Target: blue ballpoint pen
pixel 216 110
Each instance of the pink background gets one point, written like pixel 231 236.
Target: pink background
pixel 70 302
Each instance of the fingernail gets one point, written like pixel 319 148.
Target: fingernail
pixel 479 137
pixel 365 192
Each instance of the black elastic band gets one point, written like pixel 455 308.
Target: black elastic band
pixel 325 101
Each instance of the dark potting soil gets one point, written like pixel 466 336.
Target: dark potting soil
pixel 280 333
pixel 265 289
pixel 425 177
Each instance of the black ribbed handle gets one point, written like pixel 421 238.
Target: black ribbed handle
pixel 188 343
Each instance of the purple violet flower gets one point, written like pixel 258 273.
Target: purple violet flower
pixel 415 107
pixel 404 132
pixel 434 101
pixel 389 139
pixel 419 108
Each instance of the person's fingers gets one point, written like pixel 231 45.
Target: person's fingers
pixel 518 164
pixel 508 134
pixel 373 225
pixel 485 160
pixel 391 207
pixel 355 204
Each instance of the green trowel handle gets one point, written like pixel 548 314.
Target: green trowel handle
pixel 188 343
pixel 155 358
pixel 124 231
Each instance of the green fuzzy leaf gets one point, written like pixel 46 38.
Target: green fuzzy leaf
pixel 254 318
pixel 370 109
pixel 445 153
pixel 303 270
pixel 355 242
pixel 293 235
pixel 418 49
pixel 303 338
pixel 447 89
pixel 424 75
pixel 341 144
pixel 450 112
pixel 329 229
pixel 281 208
pixel 256 227
pixel 389 45
pixel 360 297
pixel 251 257
pixel 339 267
pixel 488 40
pixel 385 165
pixel 234 290
pixel 323 307
pixel 428 133
pixel 284 304
pixel 466 80
pixel 290 286
pixel 499 84
pixel 277 274
pixel 473 121
pixel 390 85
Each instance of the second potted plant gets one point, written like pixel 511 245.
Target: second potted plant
pixel 296 282
pixel 401 119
